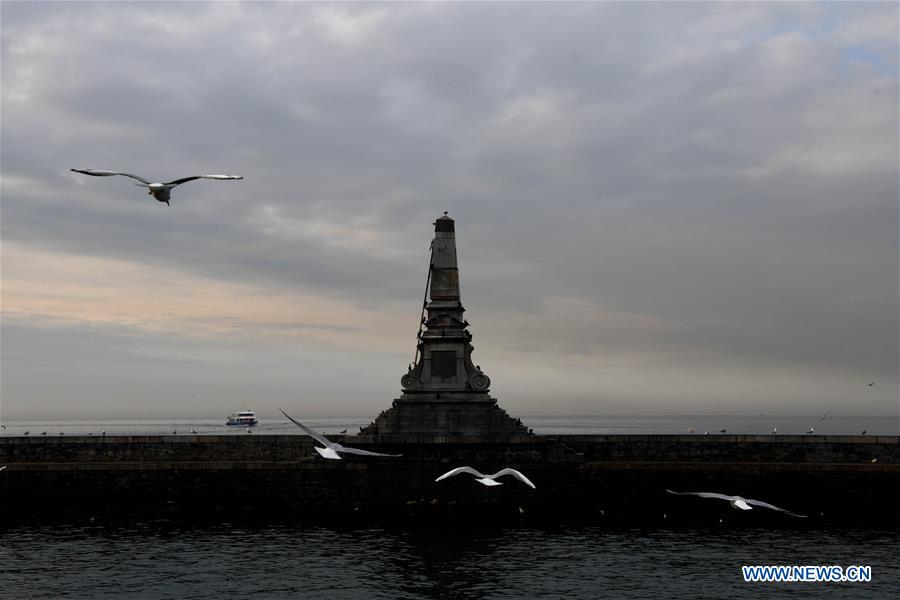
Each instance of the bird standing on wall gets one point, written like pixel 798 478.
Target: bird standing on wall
pixel 161 191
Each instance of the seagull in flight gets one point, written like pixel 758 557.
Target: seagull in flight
pixel 737 501
pixel 331 449
pixel 489 480
pixel 161 191
pixel 825 416
pixel 872 384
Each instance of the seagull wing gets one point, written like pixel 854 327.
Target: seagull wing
pixel 102 173
pixel 313 434
pixel 517 474
pixel 186 179
pixel 772 506
pixel 459 470
pixel 340 448
pixel 703 495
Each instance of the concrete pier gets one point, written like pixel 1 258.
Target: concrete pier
pixel 609 478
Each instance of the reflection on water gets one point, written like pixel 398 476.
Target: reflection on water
pixel 165 560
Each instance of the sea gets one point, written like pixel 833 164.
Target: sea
pixel 162 559
pixel 541 424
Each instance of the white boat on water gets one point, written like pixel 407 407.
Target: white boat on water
pixel 242 418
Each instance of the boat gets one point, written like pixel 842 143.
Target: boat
pixel 242 418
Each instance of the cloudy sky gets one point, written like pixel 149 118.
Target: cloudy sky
pixel 660 208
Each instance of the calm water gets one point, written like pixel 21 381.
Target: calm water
pixel 162 560
pixel 271 424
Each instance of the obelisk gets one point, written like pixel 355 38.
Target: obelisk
pixel 444 392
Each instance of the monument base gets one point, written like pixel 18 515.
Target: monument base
pixel 445 413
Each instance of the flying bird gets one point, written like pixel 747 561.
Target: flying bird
pixel 489 480
pixel 825 416
pixel 737 501
pixel 872 384
pixel 331 449
pixel 161 191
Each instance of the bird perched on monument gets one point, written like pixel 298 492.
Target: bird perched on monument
pixel 161 191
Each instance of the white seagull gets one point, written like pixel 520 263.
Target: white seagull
pixel 161 191
pixel 488 480
pixel 737 501
pixel 331 449
pixel 825 416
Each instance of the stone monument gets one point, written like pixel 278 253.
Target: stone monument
pixel 444 392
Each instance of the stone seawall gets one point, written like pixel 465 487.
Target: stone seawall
pixel 598 478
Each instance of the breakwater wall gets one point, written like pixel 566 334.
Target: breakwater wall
pixel 621 478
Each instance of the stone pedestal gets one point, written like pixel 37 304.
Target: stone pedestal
pixel 443 391
pixel 415 415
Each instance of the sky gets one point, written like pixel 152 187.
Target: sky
pixel 676 208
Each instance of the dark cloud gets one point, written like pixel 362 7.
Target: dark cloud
pixel 724 172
